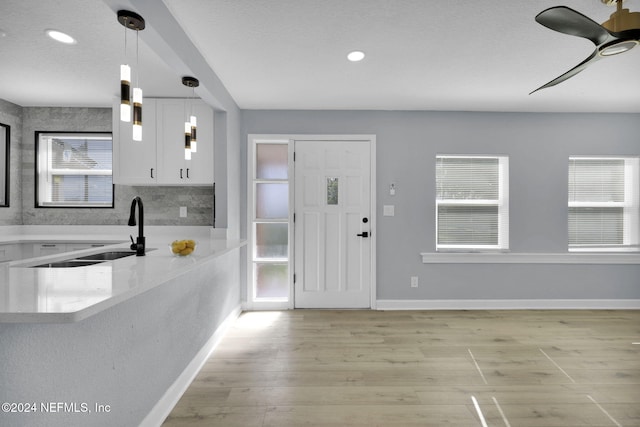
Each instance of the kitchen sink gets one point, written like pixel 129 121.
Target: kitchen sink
pixel 87 260
pixel 67 264
pixel 107 256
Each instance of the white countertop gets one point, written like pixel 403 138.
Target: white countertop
pixel 54 295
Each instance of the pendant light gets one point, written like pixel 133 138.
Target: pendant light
pixel 187 140
pixel 125 93
pixel 193 83
pixel 194 141
pixel 137 114
pixel 132 21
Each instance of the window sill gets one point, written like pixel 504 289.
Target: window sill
pixel 530 258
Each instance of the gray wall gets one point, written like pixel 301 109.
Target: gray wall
pixel 538 146
pixel 125 357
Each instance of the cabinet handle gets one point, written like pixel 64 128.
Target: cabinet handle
pixel 151 172
pixel 187 173
pixel 48 245
pixel 180 173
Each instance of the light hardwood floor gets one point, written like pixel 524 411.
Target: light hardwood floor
pixel 421 368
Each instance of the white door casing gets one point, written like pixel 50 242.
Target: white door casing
pixel 334 222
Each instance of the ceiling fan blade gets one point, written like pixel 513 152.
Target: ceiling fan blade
pixel 572 72
pixel 569 21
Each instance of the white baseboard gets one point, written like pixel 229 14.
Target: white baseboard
pixel 536 304
pixel 165 405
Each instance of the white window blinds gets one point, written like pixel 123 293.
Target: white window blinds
pixel 472 208
pixel 75 170
pixel 603 203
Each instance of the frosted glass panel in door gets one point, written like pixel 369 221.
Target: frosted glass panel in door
pixel 332 191
pixel 272 201
pixel 272 281
pixel 272 161
pixel 272 240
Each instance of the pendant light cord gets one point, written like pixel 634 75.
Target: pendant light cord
pixel 137 59
pixel 193 92
pixel 125 43
pixel 189 101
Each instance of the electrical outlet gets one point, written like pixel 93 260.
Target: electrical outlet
pixel 414 281
pixel 183 211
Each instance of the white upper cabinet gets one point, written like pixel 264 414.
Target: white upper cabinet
pixel 134 162
pixel 159 159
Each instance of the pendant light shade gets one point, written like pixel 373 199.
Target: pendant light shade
pixel 125 93
pixel 137 114
pixel 194 139
pixel 187 140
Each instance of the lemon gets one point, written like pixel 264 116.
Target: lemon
pixel 183 247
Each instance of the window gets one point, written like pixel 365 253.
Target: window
pixel 5 167
pixel 74 169
pixel 472 203
pixel 603 203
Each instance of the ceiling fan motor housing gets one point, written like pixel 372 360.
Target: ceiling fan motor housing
pixel 623 20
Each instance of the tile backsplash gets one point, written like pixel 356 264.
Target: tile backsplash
pixel 161 207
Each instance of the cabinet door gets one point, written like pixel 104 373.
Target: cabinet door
pixel 42 249
pixel 7 252
pixel 135 161
pixel 201 164
pixel 171 164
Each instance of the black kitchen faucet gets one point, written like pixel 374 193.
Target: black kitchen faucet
pixel 139 244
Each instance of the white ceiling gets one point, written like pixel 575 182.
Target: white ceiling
pixel 465 55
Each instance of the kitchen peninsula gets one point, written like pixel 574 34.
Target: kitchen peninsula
pixel 128 333
pixel 47 295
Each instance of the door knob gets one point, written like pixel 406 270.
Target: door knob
pixel 363 234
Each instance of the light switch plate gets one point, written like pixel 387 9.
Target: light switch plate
pixel 388 210
pixel 183 211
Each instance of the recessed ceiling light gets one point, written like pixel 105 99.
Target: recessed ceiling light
pixel 61 37
pixel 355 56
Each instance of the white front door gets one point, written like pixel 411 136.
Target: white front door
pixel 333 224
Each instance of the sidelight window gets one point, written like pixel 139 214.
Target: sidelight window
pixel 270 222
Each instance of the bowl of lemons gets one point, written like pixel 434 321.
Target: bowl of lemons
pixel 182 247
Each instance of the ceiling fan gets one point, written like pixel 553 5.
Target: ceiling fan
pixel 617 35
